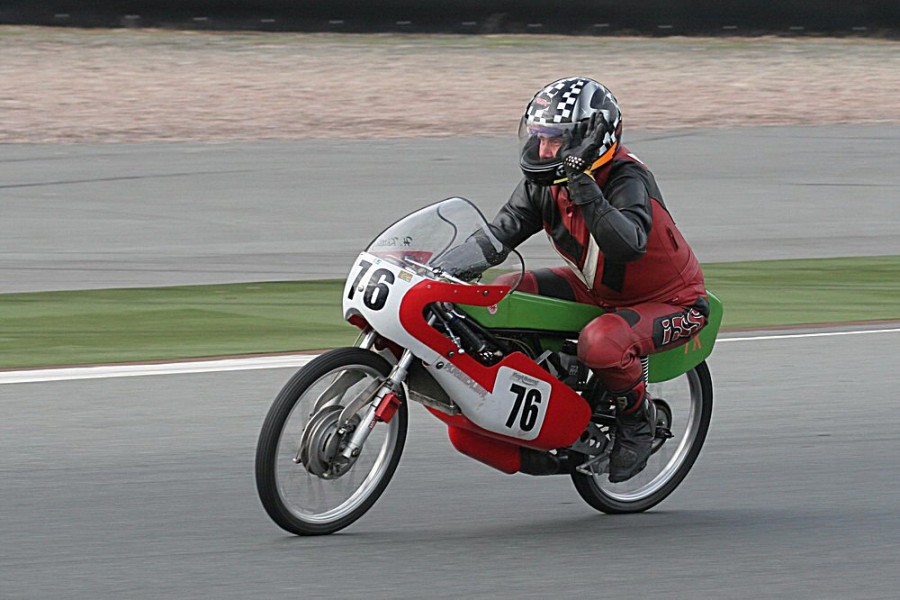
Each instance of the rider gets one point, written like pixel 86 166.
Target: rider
pixel 605 216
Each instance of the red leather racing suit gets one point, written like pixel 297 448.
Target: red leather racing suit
pixel 624 253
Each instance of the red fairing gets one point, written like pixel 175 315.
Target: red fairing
pixel 499 455
pixel 567 412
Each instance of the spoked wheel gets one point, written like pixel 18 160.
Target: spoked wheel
pixel 685 411
pixel 305 485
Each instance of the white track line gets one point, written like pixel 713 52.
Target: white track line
pixel 787 336
pixel 177 368
pixel 279 362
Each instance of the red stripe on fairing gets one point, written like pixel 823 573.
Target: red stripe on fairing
pixel 567 413
pixel 412 319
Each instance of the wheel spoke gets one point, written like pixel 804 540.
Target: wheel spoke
pixel 310 497
pixel 680 394
pixel 330 498
pixel 688 399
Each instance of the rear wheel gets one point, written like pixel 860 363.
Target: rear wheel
pixel 685 410
pixel 303 483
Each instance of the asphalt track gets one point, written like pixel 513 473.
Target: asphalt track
pixel 89 216
pixel 142 487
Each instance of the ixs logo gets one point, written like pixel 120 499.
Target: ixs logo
pixel 678 326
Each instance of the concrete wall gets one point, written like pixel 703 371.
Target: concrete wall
pixel 587 17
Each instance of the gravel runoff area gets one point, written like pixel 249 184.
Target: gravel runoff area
pixel 75 85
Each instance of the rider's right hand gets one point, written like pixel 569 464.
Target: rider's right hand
pixel 471 258
pixel 465 261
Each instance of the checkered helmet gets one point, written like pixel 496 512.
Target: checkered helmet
pixel 555 111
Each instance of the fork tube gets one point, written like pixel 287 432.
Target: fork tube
pixel 394 380
pixel 401 370
pixel 367 340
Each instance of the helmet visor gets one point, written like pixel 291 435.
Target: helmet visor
pixel 540 145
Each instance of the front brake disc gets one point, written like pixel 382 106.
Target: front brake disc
pixel 314 445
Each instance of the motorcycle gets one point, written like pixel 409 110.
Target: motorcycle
pixel 498 366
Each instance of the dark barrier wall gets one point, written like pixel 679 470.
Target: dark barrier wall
pixel 646 17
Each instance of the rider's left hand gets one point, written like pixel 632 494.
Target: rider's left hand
pixel 581 147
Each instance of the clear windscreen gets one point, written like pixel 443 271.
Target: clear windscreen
pixel 451 238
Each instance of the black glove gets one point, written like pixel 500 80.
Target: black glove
pixel 582 145
pixel 471 258
pixel 465 261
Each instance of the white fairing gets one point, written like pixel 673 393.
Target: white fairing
pixel 375 289
pixel 517 404
pixel 406 254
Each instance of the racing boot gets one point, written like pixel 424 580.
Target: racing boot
pixel 635 431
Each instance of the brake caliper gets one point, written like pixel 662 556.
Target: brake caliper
pixel 388 407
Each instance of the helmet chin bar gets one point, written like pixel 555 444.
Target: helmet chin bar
pixel 544 174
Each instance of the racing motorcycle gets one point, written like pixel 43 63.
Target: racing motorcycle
pixel 498 366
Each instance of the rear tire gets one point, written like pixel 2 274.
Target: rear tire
pixel 690 398
pixel 298 500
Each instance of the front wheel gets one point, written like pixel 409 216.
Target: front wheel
pixel 689 402
pixel 301 479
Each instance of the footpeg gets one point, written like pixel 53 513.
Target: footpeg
pixel 663 433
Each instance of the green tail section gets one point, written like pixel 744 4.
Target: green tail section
pixel 538 313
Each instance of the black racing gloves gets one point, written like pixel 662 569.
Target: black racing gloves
pixel 580 150
pixel 579 154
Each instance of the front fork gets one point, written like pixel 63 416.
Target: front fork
pixel 382 406
pixel 367 340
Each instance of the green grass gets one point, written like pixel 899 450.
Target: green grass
pixel 799 292
pixel 122 325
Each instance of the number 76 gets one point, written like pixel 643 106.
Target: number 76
pixel 530 398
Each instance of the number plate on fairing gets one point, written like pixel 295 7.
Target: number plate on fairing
pixel 375 290
pixel 520 403
pixel 516 408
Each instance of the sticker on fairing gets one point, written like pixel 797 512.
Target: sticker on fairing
pixel 471 386
pixel 521 401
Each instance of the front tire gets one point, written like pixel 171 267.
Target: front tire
pixel 689 398
pixel 303 497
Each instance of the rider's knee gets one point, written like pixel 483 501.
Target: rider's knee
pixel 604 342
